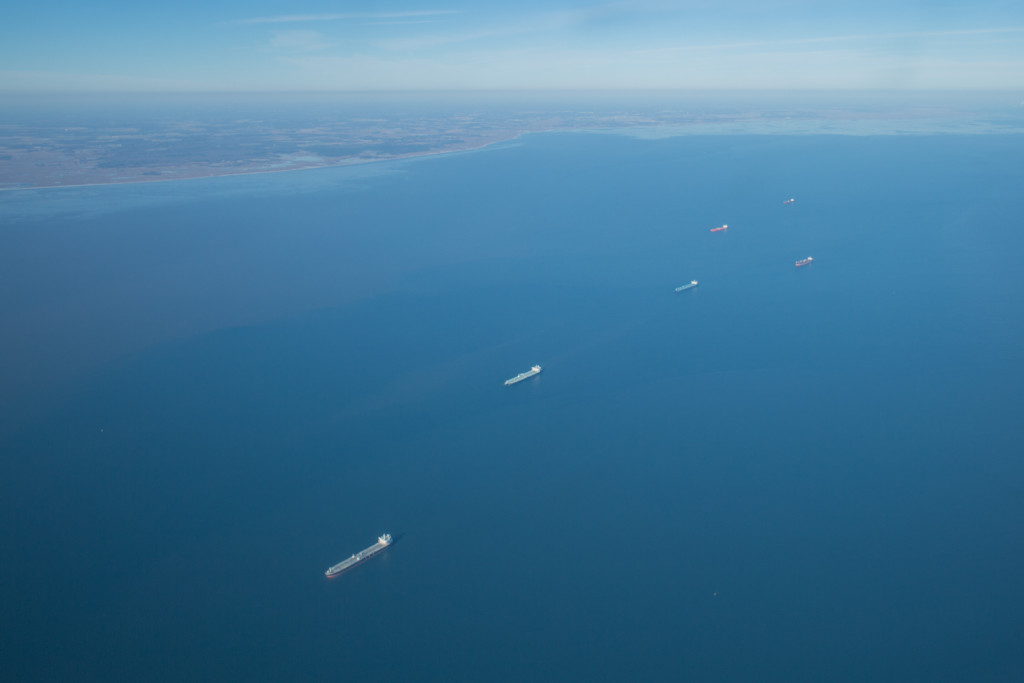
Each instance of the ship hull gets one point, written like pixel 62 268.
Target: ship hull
pixel 360 557
pixel 535 370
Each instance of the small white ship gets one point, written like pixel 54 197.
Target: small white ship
pixel 535 370
pixel 788 201
pixel 363 555
pixel 683 288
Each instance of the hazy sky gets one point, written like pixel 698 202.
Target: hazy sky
pixel 316 44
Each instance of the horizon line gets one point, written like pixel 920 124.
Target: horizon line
pixel 339 91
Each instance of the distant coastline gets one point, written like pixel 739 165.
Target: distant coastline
pixel 200 174
pixel 131 148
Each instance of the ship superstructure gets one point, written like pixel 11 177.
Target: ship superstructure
pixel 535 370
pixel 363 555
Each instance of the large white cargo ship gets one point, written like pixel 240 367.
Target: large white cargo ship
pixel 363 555
pixel 535 370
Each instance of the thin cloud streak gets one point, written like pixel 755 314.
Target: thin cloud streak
pixel 424 42
pixel 59 81
pixel 292 18
pixel 540 23
pixel 300 41
pixel 399 23
pixel 557 69
pixel 839 39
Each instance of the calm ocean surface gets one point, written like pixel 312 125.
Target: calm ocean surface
pixel 215 389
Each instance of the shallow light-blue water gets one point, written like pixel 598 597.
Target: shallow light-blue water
pixel 786 474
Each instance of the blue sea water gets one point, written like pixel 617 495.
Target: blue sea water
pixel 216 389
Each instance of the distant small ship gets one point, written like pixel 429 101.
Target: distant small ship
pixel 804 262
pixel 363 555
pixel 789 201
pixel 535 370
pixel 683 288
pixel 720 228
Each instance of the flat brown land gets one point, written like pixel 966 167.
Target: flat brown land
pixel 33 156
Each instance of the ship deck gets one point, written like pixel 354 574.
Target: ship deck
pixel 362 555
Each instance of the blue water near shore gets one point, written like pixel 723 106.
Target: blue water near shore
pixel 785 474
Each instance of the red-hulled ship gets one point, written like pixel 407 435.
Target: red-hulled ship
pixel 804 262
pixel 720 228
